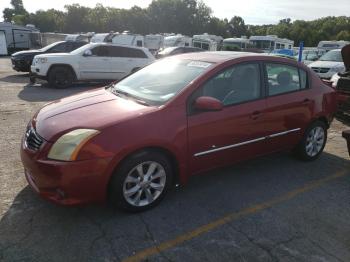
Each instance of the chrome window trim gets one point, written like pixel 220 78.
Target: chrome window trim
pixel 246 142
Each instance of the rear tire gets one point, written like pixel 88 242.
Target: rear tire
pixel 60 77
pixel 313 142
pixel 141 182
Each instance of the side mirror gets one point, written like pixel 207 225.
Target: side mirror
pixel 207 103
pixel 87 53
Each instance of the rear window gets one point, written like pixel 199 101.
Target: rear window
pixel 118 51
pixel 285 79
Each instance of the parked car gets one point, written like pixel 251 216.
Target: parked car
pixel 21 61
pixel 329 64
pixel 94 61
pixel 310 56
pixel 180 116
pixel 170 51
pixel 341 81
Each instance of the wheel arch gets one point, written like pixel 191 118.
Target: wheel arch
pixel 62 65
pixel 169 155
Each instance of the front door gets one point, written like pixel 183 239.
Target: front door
pixel 238 131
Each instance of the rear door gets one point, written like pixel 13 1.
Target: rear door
pixel 125 59
pixel 97 66
pixel 238 131
pixel 289 105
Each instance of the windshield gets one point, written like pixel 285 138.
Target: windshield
pixel 162 80
pixel 45 48
pixel 334 56
pixel 81 49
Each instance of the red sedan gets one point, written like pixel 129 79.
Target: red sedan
pixel 180 116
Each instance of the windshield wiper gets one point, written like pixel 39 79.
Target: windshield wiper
pixel 128 95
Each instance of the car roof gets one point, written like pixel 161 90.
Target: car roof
pixel 111 44
pixel 219 56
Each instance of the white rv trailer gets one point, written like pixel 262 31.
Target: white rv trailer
pixel 128 39
pixel 101 37
pixel 20 37
pixel 271 42
pixel 236 43
pixel 177 41
pixel 154 42
pixel 330 45
pixel 120 39
pixel 207 42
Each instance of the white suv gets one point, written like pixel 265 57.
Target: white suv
pixel 95 61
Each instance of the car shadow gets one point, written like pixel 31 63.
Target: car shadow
pixel 16 79
pixel 35 230
pixel 44 93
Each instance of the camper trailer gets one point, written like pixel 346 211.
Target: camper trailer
pixel 120 39
pixel 154 42
pixel 236 44
pixel 20 37
pixel 271 42
pixel 330 45
pixel 177 40
pixel 207 42
pixel 128 39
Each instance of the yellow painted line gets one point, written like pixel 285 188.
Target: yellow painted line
pixel 143 254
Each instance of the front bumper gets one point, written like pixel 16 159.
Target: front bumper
pixel 66 183
pixel 21 65
pixel 327 75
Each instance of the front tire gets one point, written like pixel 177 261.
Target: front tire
pixel 60 77
pixel 313 142
pixel 141 181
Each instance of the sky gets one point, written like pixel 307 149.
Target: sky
pixel 252 11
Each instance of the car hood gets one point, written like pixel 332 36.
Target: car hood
pixel 326 64
pixel 96 109
pixel 27 53
pixel 345 52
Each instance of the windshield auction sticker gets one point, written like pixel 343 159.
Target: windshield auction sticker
pixel 199 64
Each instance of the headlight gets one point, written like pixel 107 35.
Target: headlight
pixel 67 147
pixel 337 69
pixel 335 78
pixel 41 60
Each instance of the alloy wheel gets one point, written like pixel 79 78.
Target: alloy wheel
pixel 144 183
pixel 315 141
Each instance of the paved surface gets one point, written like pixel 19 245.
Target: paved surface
pixel 273 208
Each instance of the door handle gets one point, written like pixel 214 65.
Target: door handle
pixel 255 115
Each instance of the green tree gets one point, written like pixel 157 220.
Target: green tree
pixel 18 10
pixel 237 26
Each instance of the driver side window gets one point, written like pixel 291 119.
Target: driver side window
pixel 235 85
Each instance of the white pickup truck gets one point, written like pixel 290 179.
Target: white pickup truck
pixel 95 61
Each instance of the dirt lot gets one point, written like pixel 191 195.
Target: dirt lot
pixel 270 209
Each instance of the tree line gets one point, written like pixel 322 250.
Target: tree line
pixel 187 17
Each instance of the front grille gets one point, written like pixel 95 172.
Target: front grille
pixel 32 140
pixel 321 70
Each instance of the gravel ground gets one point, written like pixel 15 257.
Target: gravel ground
pixel 273 208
